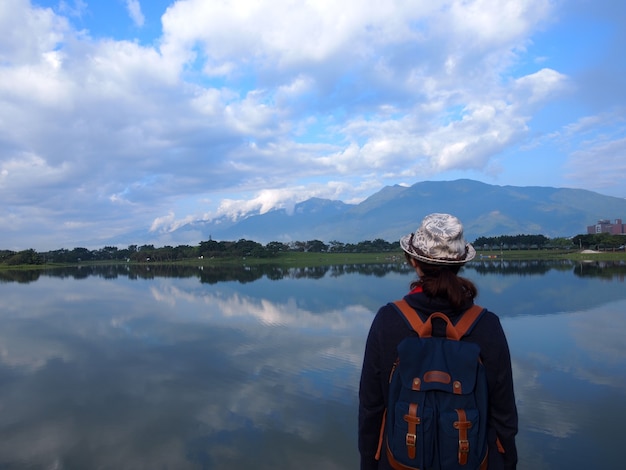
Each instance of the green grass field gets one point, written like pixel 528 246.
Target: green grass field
pixel 552 254
pixel 321 259
pixel 300 259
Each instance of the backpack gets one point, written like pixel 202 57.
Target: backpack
pixel 436 417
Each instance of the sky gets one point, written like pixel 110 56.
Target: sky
pixel 126 117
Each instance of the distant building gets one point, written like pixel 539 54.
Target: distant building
pixel 605 226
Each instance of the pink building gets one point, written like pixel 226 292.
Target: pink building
pixel 605 226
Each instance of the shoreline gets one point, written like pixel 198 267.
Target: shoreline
pixel 317 259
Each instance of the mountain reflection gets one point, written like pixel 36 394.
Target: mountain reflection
pixel 246 274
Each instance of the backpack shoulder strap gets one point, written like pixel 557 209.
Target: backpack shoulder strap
pixel 424 328
pixel 409 314
pixel 469 319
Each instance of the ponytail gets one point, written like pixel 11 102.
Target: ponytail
pixel 444 282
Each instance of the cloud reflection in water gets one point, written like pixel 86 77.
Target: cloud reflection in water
pixel 124 371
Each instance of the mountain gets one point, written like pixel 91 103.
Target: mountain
pixel 485 210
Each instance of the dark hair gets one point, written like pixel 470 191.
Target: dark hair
pixel 443 281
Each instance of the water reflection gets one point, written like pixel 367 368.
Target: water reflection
pixel 509 288
pixel 245 274
pixel 206 274
pixel 171 373
pixel 570 377
pixel 175 367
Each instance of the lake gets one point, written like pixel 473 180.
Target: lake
pixel 164 367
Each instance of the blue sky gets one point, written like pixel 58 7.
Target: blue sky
pixel 129 116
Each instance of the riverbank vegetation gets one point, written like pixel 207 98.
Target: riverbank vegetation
pixel 604 246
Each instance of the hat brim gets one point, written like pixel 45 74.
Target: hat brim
pixel 470 254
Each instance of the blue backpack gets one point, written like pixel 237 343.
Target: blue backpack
pixel 436 417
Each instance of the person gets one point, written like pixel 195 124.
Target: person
pixel 437 251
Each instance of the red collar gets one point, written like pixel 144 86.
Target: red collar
pixel 417 290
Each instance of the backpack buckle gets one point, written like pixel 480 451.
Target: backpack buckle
pixel 411 439
pixel 463 446
pixel 463 425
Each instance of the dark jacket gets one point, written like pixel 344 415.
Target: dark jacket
pixel 388 329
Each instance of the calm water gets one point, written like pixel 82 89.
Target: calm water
pixel 165 368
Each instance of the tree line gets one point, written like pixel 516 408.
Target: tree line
pixel 596 241
pixel 248 248
pixel 205 250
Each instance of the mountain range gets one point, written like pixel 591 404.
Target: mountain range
pixel 485 210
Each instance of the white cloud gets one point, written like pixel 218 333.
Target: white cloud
pixel 487 21
pixel 75 8
pixel 134 10
pixel 599 164
pixel 30 170
pixel 27 32
pixel 283 32
pixel 595 146
pixel 539 86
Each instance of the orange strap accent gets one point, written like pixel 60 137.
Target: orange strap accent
pixel 380 436
pixel 499 445
pixel 427 329
pixel 411 436
pixel 462 425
